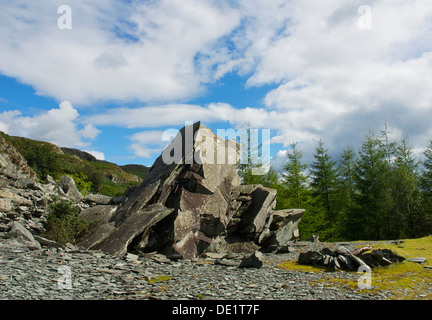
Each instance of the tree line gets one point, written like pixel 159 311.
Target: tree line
pixel 377 192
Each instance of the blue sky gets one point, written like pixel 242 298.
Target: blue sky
pixel 128 70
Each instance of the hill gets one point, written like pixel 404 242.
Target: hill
pixel 90 174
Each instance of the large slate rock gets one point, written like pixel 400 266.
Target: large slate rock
pixel 191 201
pixel 194 185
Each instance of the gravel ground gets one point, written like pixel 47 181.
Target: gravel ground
pixel 71 274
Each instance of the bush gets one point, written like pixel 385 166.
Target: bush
pixel 63 223
pixel 81 182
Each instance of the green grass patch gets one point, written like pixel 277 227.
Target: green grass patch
pixel 160 279
pixel 406 280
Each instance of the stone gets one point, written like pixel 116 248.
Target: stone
pixel 232 244
pixel 214 255
pixel 97 199
pixel 255 260
pixel 11 199
pixel 47 242
pixel 69 188
pixel 22 235
pixel 285 249
pixel 131 257
pixel 99 218
pixel 255 218
pixel 137 224
pixel 313 238
pixel 227 262
pixel 419 260
pixel 284 228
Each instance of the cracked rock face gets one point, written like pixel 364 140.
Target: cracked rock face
pixel 191 198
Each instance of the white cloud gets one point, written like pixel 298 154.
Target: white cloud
pixel 97 154
pixel 89 131
pixel 115 51
pixel 147 143
pixel 334 80
pixel 59 126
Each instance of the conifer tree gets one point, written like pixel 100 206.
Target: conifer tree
pixel 426 190
pixel 372 174
pixel 346 191
pixel 295 180
pixel 426 179
pixel 323 182
pixel 405 220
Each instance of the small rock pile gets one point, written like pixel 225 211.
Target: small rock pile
pixel 342 258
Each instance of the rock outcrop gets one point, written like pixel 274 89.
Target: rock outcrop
pixel 192 202
pixel 13 167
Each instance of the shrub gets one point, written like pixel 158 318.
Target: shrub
pixel 63 223
pixel 81 182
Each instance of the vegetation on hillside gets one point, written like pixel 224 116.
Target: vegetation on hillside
pixel 90 176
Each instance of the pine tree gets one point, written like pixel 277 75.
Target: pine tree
pixel 295 180
pixel 346 176
pixel 346 191
pixel 252 158
pixel 372 174
pixel 426 179
pixel 323 183
pixel 426 190
pixel 405 220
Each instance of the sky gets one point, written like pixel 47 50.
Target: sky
pixel 110 77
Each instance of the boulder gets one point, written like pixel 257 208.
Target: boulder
pixel 190 203
pixel 21 235
pixel 69 188
pixel 255 260
pixel 97 199
pixel 283 228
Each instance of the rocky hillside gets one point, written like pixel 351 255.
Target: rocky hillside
pixel 90 174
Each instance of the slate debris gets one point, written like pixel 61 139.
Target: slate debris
pixel 39 275
pixel 342 258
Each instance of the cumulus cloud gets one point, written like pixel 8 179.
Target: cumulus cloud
pixel 58 125
pixel 331 79
pixel 147 143
pixel 97 154
pixel 115 50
